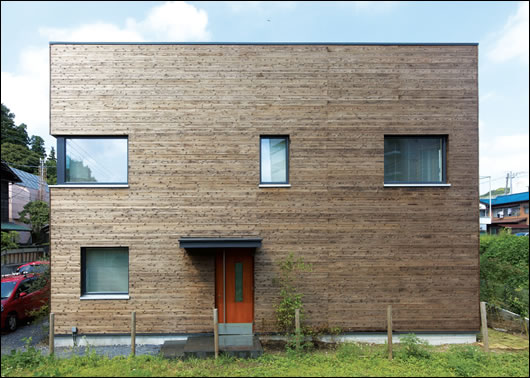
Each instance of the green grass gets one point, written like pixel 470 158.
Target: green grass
pixel 347 360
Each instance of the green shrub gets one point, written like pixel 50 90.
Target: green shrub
pixel 504 271
pixel 466 360
pixel 9 240
pixel 290 298
pixel 28 357
pixel 412 346
pixel 352 351
pixel 304 342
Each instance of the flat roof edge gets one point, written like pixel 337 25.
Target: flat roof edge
pixel 277 43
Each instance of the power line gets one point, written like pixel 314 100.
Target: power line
pixel 94 168
pixel 109 174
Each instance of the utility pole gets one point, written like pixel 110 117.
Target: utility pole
pixel 41 186
pixel 490 196
pixel 512 175
pixel 506 186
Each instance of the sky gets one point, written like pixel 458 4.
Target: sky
pixel 501 29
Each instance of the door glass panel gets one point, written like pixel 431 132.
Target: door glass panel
pixel 239 282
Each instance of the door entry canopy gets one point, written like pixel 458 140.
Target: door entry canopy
pixel 207 244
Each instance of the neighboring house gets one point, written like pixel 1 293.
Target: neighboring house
pixel 485 218
pixel 188 172
pixel 509 211
pixel 30 188
pixel 9 178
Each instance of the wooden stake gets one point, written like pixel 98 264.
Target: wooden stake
pixel 297 326
pixel 484 326
pixel 133 333
pixel 51 341
pixel 216 332
pixel 389 330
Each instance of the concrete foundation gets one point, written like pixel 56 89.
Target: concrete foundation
pixel 381 338
pixel 374 338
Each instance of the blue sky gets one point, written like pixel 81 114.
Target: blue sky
pixel 500 28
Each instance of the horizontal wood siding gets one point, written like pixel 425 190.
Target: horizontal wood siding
pixel 194 114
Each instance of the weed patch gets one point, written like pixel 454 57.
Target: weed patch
pixel 346 360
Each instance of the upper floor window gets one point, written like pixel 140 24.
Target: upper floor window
pixel 92 160
pixel 509 211
pixel 415 159
pixel 274 151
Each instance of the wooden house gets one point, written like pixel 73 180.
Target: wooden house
pixel 188 171
pixel 508 212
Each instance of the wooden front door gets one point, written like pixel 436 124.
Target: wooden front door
pixel 234 285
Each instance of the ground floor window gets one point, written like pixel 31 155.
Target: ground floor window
pixel 104 270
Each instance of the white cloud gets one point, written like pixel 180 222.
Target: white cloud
pixel 174 21
pixel 26 92
pixel 512 41
pixel 501 155
pixel 97 32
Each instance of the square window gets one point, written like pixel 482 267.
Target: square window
pixel 274 153
pixel 415 159
pixel 104 270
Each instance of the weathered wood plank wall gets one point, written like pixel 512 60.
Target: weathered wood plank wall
pixel 194 114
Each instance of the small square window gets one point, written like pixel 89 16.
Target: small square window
pixel 274 153
pixel 415 159
pixel 104 270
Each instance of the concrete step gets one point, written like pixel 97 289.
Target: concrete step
pixel 173 349
pixel 203 347
pixel 235 329
pixel 199 347
pixel 236 340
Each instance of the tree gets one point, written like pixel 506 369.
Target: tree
pixel 494 193
pixel 37 214
pixel 9 240
pixel 37 146
pixel 290 298
pixel 11 133
pixel 51 168
pixel 52 155
pixel 83 173
pixel 20 157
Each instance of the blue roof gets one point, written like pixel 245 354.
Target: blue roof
pixel 28 180
pixel 510 198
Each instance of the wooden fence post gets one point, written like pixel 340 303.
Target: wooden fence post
pixel 389 330
pixel 216 332
pixel 51 341
pixel 484 321
pixel 133 333
pixel 297 326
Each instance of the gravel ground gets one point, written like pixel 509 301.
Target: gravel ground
pixel 38 331
pixel 109 351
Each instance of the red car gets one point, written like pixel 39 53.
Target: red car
pixel 21 294
pixel 34 267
